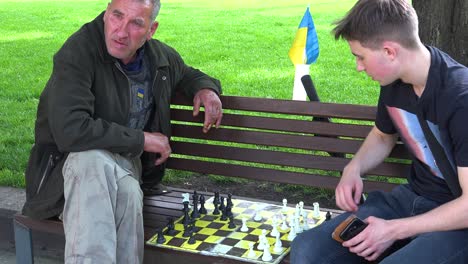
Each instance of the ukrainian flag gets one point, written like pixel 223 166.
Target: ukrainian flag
pixel 305 48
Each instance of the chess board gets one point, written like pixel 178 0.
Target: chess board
pixel 215 238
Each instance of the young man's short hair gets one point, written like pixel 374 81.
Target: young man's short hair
pixel 372 22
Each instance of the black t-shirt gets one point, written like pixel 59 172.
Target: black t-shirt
pixel 444 104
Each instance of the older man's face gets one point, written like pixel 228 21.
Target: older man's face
pixel 127 25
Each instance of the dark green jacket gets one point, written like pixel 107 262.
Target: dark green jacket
pixel 85 105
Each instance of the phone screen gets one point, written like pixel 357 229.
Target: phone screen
pixel 352 229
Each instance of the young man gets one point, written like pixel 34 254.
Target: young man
pixel 102 122
pixel 428 217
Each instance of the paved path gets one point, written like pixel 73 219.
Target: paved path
pixel 11 201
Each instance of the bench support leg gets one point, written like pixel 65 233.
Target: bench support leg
pixel 23 244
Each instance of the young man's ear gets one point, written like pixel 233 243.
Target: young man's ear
pixel 153 28
pixel 391 49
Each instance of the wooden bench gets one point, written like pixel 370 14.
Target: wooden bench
pixel 260 139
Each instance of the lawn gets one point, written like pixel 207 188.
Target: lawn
pixel 242 43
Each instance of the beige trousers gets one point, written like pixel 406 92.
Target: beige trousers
pixel 103 213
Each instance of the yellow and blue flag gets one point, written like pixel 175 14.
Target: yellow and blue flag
pixel 305 48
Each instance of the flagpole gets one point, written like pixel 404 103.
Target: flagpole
pixel 299 92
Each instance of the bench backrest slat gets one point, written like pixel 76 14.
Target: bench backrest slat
pixel 276 140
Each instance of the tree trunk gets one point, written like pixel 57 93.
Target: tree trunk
pixel 444 24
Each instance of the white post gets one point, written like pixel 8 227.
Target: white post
pixel 299 92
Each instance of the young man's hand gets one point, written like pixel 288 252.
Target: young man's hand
pixel 213 108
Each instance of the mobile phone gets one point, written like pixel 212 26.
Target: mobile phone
pixel 348 229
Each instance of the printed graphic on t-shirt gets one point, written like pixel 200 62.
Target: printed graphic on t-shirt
pixel 411 132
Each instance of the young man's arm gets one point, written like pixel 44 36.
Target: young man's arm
pixel 380 234
pixel 373 151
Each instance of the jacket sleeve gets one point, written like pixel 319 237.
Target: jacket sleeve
pixel 188 79
pixel 71 107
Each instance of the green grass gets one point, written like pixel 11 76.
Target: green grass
pixel 242 43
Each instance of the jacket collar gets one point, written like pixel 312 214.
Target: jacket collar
pixel 152 47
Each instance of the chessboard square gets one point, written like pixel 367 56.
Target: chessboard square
pixel 175 242
pixel 250 237
pixel 215 225
pixel 191 246
pixel 222 233
pixel 230 241
pixel 221 249
pixel 207 231
pixel 214 239
pixel 237 235
pixel 264 226
pixel 179 226
pixel 237 252
pixel 244 204
pixel 200 237
pixel 209 218
pixel 202 223
pixel 254 225
pixel 205 246
pixel 256 232
pixel 249 212
pixel 243 244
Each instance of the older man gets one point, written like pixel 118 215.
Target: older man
pixel 103 122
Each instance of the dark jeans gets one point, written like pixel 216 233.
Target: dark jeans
pixel 316 245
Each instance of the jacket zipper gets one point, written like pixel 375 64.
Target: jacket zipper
pixel 48 168
pixel 129 92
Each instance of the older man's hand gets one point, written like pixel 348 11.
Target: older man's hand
pixel 213 108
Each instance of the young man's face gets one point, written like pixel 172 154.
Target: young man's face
pixel 127 25
pixel 376 63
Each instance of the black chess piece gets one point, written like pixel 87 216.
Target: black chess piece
pixel 195 214
pixel 202 209
pixel 188 230
pixel 231 222
pixel 161 239
pixel 216 209
pixel 186 220
pixel 223 215
pixel 221 204
pixel 328 216
pixel 170 227
pixel 229 200
pixel 216 198
pixel 192 239
pixel 228 210
pixel 185 209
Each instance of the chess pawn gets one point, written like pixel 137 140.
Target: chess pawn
pixel 284 210
pixel 251 253
pixel 292 232
pixel 261 243
pixel 258 217
pixel 244 227
pixel 316 213
pixel 274 230
pixel 278 245
pixel 284 226
pixel 266 252
pixel 298 226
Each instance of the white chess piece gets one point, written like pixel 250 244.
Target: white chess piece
pixel 186 198
pixel 274 224
pixel 292 232
pixel 266 252
pixel 244 227
pixel 297 225
pixel 258 216
pixel 251 253
pixel 285 206
pixel 284 226
pixel 261 242
pixel 316 213
pixel 305 223
pixel 278 245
